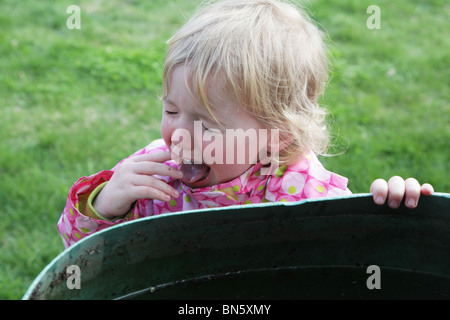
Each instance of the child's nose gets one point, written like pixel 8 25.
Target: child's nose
pixel 183 144
pixel 182 138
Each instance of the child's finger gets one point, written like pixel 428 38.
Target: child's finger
pixel 153 157
pixel 155 168
pixel 396 192
pixel 153 182
pixel 427 189
pixel 150 164
pixel 146 192
pixel 412 193
pixel 379 189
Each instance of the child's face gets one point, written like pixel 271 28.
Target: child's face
pixel 192 133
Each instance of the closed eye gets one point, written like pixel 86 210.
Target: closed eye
pixel 170 112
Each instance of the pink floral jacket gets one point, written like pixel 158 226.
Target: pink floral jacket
pixel 302 180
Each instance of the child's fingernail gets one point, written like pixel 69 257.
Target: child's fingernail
pixel 411 203
pixel 379 200
pixel 393 204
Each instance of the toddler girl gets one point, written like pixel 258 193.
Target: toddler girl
pixel 241 124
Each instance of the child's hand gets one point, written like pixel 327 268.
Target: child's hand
pixel 134 179
pixel 397 188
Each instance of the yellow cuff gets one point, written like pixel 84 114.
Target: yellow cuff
pixel 89 209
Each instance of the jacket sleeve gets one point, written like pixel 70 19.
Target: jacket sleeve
pixel 78 221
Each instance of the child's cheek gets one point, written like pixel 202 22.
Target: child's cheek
pixel 165 132
pixel 213 147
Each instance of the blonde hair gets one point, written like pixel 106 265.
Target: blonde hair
pixel 273 60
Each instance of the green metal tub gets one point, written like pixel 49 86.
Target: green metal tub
pixel 345 248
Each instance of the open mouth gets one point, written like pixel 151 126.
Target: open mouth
pixel 194 173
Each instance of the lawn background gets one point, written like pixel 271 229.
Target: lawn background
pixel 74 102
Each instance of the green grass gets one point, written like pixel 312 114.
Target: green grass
pixel 74 102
